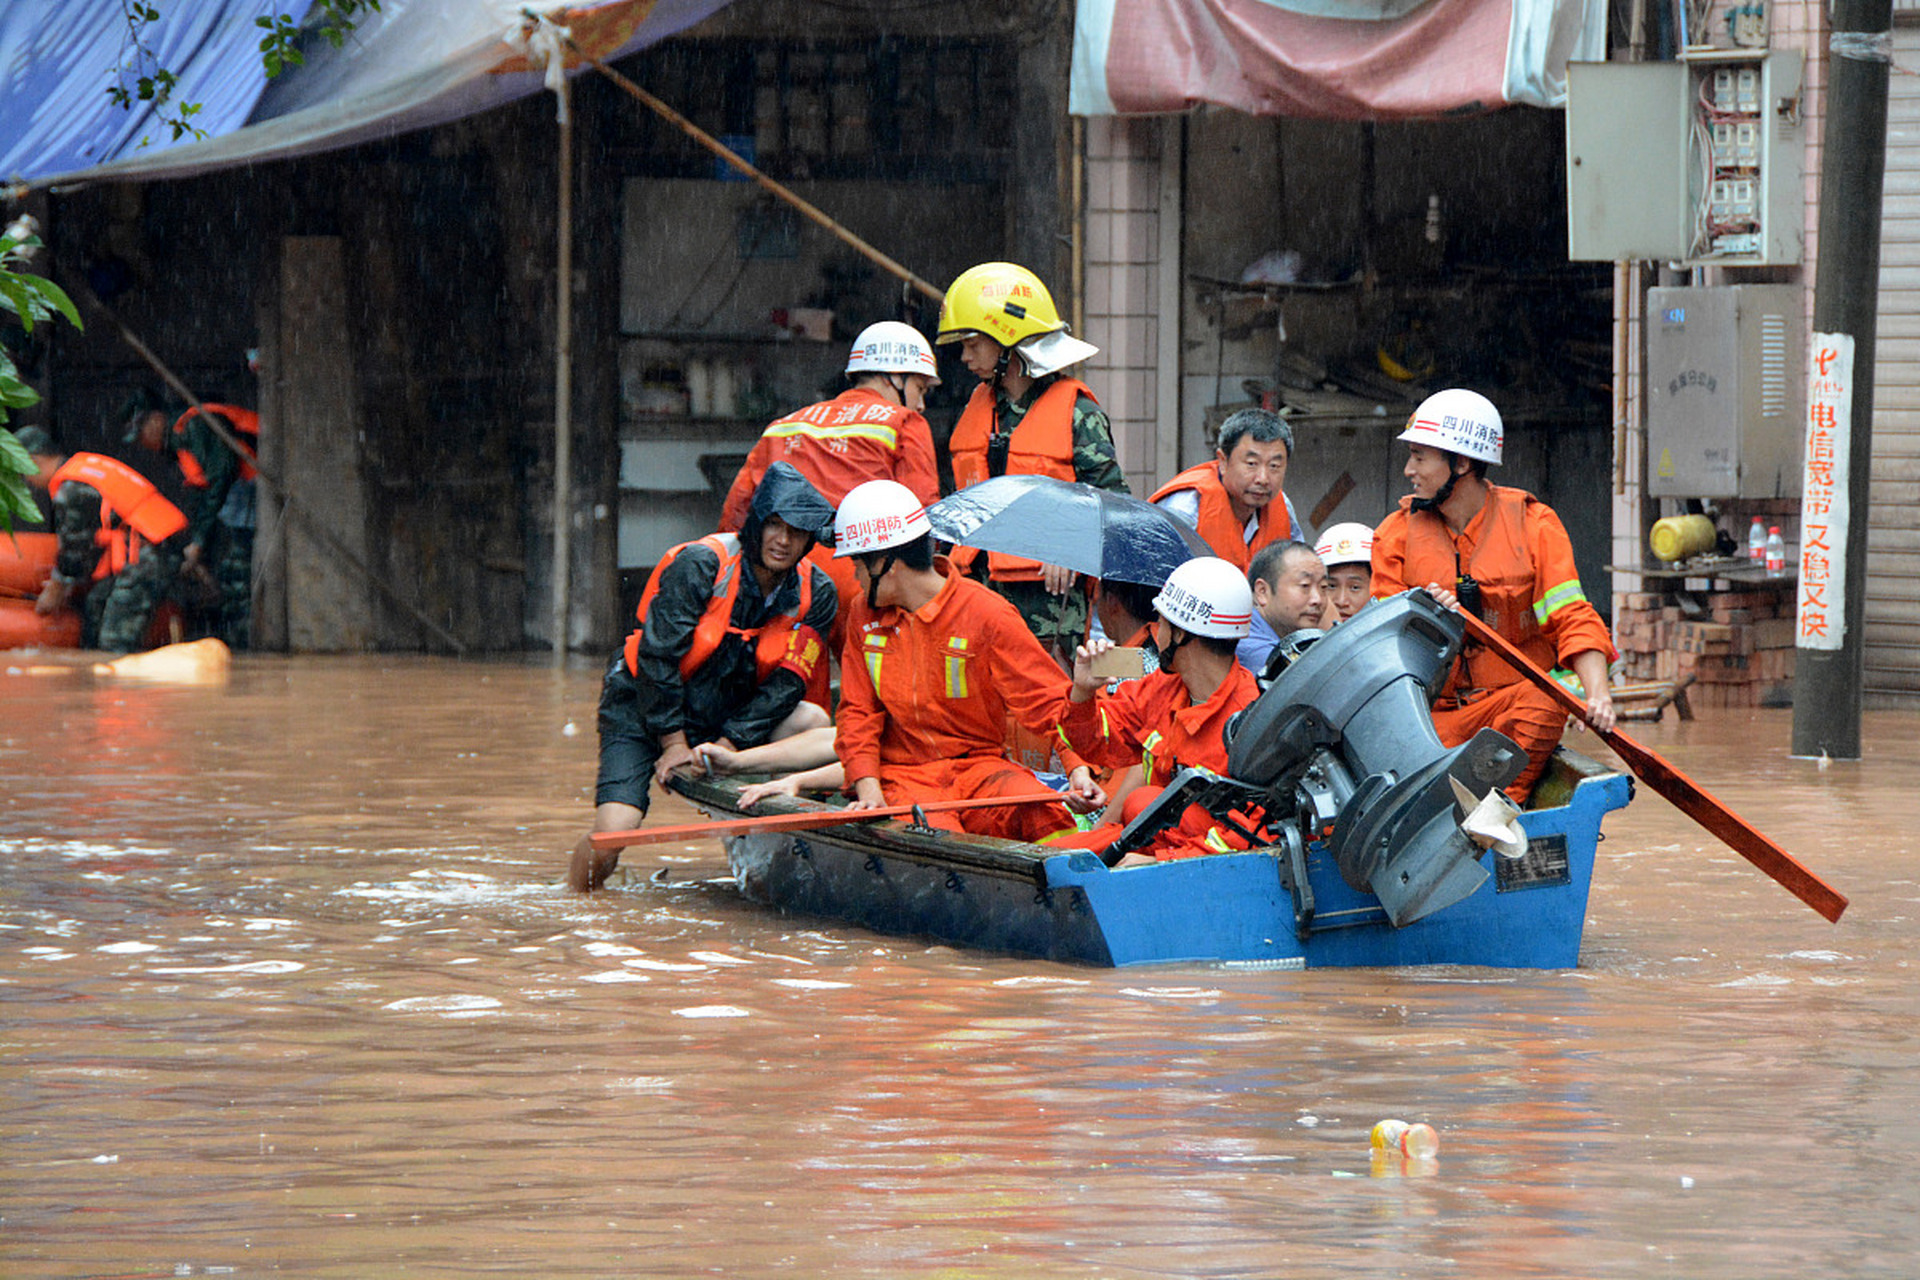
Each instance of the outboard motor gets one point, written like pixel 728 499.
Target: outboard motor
pixel 1344 740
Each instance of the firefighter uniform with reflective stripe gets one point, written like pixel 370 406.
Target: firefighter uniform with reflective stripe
pixel 1154 723
pixel 711 657
pixel 1519 552
pixel 1214 519
pixel 857 436
pixel 924 700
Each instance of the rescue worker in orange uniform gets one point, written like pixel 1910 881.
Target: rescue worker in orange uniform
pixel 118 541
pixel 1175 718
pixel 1347 552
pixel 731 630
pixel 1026 418
pixel 1234 498
pixel 1503 555
pixel 874 430
pixel 933 665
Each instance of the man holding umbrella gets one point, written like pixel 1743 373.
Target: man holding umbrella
pixel 1026 418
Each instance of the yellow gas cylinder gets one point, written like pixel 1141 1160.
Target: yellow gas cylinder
pixel 1674 538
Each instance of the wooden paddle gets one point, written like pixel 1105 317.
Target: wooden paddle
pixel 1687 796
pixel 825 817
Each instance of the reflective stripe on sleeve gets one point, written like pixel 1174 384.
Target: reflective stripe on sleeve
pixel 1558 598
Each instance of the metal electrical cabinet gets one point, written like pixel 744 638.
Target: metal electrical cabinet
pixel 1725 376
pixel 1697 161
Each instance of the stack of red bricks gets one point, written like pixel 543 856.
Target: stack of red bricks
pixel 1739 650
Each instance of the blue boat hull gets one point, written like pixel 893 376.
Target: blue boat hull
pixel 1230 908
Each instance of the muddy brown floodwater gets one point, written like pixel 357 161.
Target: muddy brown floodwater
pixel 288 984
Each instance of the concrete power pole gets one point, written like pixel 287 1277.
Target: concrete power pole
pixel 1839 431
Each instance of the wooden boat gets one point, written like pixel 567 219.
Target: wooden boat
pixel 1002 895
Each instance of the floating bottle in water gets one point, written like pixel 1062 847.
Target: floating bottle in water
pixel 1776 553
pixel 1757 541
pixel 1417 1141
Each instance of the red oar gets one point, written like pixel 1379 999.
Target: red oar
pixel 803 821
pixel 1687 796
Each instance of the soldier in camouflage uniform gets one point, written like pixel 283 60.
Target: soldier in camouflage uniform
pixel 118 607
pixel 1027 418
pixel 218 555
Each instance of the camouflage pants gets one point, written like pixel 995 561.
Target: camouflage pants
pixel 119 608
pixel 231 559
pixel 1058 622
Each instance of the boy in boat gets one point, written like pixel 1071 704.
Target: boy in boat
pixel 934 664
pixel 1347 552
pixel 1503 555
pixel 730 635
pixel 1177 717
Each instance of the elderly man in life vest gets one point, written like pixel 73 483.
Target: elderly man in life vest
pixel 1503 555
pixel 934 666
pixel 1026 417
pixel 118 541
pixel 1234 498
pixel 731 631
pixel 220 517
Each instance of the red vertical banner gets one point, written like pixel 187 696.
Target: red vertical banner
pixel 1822 613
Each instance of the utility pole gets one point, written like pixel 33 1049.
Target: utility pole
pixel 1830 662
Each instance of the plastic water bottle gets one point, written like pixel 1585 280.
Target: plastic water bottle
pixel 1417 1141
pixel 1757 541
pixel 1776 553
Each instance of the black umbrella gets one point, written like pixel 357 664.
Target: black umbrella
pixel 1092 531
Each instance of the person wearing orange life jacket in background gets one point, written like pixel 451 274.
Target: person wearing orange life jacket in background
pixel 1347 552
pixel 1177 717
pixel 874 430
pixel 934 665
pixel 220 516
pixel 1026 418
pixel 118 541
pixel 1234 498
pixel 731 630
pixel 1502 555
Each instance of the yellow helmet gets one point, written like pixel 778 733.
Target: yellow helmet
pixel 1000 300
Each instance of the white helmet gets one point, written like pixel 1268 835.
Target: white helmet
pixel 892 347
pixel 1349 543
pixel 1458 421
pixel 1207 597
pixel 877 515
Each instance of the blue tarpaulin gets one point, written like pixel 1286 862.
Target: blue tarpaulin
pixel 413 63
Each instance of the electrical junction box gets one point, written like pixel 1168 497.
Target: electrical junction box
pixel 1725 381
pixel 1697 162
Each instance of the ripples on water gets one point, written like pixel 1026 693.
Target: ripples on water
pixel 287 983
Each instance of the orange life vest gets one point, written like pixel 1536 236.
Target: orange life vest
pixel 131 509
pixel 1503 566
pixel 246 426
pixel 780 641
pixel 1226 535
pixel 1041 445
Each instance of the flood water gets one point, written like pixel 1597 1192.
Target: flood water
pixel 288 984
